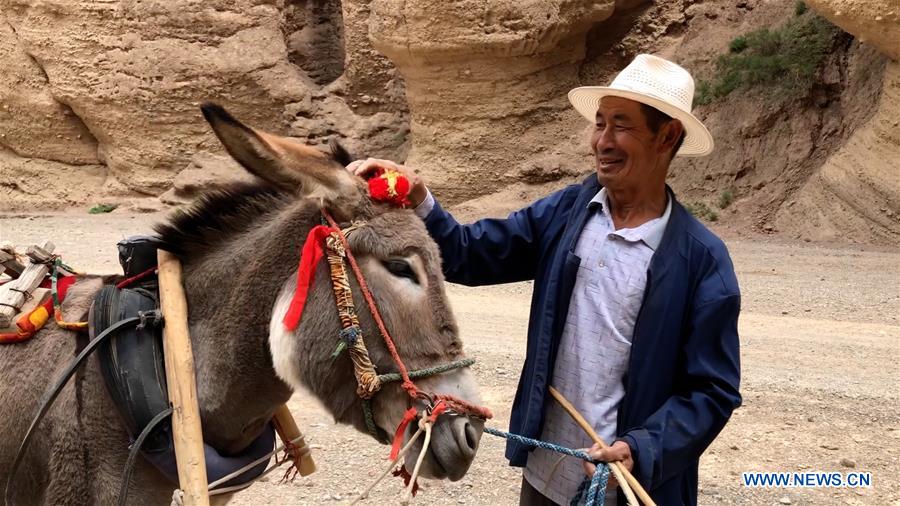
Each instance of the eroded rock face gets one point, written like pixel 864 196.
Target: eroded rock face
pixel 119 83
pixel 59 185
pixel 486 82
pixel 875 22
pixel 53 131
pixel 817 165
pixel 99 100
pixel 135 72
pixel 855 195
pixel 373 83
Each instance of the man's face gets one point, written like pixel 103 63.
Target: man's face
pixel 627 152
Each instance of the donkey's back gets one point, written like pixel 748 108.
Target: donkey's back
pixel 78 453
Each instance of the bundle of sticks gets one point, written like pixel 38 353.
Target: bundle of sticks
pixel 27 275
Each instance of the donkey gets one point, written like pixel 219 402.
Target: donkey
pixel 240 249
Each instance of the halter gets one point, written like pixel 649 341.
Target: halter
pixel 338 253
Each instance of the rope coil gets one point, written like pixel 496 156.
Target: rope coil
pixel 595 487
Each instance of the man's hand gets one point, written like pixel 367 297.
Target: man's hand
pixel 417 190
pixel 618 452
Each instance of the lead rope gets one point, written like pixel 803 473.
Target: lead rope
pixel 595 487
pixel 426 423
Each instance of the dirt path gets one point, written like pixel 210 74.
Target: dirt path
pixel 820 348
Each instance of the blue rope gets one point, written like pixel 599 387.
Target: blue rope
pixel 595 487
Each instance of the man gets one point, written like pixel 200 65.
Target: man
pixel 635 305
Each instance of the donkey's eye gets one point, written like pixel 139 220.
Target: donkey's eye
pixel 401 269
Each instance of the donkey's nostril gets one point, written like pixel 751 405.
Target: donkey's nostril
pixel 471 437
pixel 467 433
pixel 453 445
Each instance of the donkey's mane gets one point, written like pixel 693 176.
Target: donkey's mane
pixel 218 215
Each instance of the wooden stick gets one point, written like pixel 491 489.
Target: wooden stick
pixel 9 262
pixel 622 474
pixel 186 430
pixel 39 254
pixel 288 430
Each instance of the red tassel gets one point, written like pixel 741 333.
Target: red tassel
pixel 378 189
pixel 389 186
pixel 313 250
pixel 406 477
pixel 402 187
pixel 409 416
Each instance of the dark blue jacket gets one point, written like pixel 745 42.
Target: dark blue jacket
pixel 682 381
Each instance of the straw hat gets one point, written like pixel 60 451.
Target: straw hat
pixel 658 83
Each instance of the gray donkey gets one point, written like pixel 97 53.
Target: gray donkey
pixel 240 249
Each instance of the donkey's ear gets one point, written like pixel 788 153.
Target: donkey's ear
pixel 280 161
pixel 248 147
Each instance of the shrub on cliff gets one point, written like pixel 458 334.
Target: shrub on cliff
pixel 786 58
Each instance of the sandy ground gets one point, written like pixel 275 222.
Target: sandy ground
pixel 820 351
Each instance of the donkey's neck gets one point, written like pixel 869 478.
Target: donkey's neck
pixel 231 291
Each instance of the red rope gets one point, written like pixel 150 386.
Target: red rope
pixel 437 410
pixel 409 416
pixel 135 279
pixel 407 384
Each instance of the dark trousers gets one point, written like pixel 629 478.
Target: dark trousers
pixel 531 497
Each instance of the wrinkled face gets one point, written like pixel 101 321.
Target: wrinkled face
pixel 626 151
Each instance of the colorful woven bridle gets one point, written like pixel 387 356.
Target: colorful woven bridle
pixel 330 240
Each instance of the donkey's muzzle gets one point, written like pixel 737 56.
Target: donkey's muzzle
pixel 454 442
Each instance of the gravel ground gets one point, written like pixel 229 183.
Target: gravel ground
pixel 820 342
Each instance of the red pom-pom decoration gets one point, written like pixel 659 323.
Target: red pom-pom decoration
pixel 389 186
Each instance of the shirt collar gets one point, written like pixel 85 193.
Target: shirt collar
pixel 650 232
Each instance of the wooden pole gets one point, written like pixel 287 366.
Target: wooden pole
pixel 623 476
pixel 186 431
pixel 288 431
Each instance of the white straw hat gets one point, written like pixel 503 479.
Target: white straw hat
pixel 658 83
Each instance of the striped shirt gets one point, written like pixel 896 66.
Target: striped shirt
pixel 596 343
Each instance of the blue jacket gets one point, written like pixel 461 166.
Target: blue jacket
pixel 682 382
